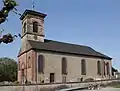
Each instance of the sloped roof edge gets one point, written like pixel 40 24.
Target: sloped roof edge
pixel 50 45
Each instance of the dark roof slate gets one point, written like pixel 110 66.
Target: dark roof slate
pixel 50 45
pixel 32 12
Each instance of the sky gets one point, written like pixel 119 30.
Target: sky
pixel 95 23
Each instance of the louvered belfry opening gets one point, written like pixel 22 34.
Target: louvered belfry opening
pixel 35 27
pixel 41 60
pixel 24 27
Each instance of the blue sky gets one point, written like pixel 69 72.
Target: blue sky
pixel 95 23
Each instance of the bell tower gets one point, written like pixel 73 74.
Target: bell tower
pixel 32 29
pixel 33 25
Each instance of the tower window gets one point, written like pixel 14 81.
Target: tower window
pixel 35 27
pixel 24 28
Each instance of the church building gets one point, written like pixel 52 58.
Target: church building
pixel 48 61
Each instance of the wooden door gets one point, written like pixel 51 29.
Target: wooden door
pixel 52 77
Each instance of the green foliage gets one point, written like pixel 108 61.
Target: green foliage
pixel 8 5
pixel 6 39
pixel 115 84
pixel 89 79
pixel 8 69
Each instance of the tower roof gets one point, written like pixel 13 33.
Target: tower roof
pixel 32 12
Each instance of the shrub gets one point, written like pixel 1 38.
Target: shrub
pixel 89 80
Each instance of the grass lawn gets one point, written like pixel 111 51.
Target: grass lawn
pixel 115 85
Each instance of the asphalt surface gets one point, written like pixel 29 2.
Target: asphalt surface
pixel 104 89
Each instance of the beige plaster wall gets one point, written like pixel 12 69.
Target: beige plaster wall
pixel 53 65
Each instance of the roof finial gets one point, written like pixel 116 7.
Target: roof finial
pixel 33 4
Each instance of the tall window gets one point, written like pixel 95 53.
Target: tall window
pixel 104 67
pixel 35 27
pixel 29 62
pixel 24 28
pixel 98 67
pixel 41 60
pixel 107 67
pixel 64 66
pixel 83 67
pixel 22 73
pixel 18 65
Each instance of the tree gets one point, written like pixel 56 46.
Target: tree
pixel 8 5
pixel 8 69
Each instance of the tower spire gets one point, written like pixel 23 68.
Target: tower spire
pixel 33 4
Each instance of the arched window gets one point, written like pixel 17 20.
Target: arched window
pixel 64 66
pixel 107 67
pixel 18 65
pixel 35 27
pixel 83 67
pixel 24 28
pixel 41 60
pixel 29 62
pixel 98 67
pixel 104 68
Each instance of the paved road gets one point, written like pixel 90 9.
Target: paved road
pixel 105 89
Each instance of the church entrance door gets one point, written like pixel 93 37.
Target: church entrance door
pixel 52 77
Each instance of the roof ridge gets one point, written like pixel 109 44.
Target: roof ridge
pixel 68 43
